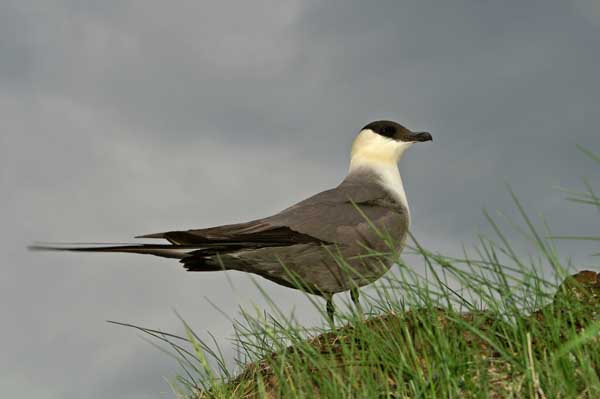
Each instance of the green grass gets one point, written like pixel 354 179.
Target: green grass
pixel 488 324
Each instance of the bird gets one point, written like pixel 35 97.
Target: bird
pixel 335 241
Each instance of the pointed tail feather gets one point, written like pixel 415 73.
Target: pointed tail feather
pixel 165 251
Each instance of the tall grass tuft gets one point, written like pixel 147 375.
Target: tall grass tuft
pixel 488 324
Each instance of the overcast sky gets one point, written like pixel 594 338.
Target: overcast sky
pixel 120 118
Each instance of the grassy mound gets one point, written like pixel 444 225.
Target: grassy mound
pixel 435 352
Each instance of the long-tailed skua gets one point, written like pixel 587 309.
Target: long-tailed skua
pixel 334 241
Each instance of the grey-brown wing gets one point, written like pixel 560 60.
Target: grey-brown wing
pixel 328 217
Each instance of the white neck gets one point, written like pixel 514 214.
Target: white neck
pixel 380 155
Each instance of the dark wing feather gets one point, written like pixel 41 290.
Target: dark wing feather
pixel 256 232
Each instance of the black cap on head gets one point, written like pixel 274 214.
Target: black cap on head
pixel 397 132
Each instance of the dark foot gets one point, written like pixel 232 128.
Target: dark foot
pixel 330 308
pixel 354 294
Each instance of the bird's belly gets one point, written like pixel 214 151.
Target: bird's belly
pixel 367 267
pixel 312 268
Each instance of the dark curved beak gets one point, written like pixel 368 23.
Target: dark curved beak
pixel 422 136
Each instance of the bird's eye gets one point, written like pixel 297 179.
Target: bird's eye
pixel 387 131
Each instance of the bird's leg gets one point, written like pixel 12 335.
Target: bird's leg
pixel 354 294
pixel 330 307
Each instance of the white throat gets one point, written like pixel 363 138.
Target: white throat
pixel 380 155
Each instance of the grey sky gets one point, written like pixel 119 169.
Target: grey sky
pixel 126 117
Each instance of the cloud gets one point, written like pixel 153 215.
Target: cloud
pixel 588 9
pixel 121 118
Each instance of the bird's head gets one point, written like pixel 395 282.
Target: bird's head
pixel 384 142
